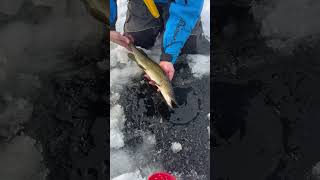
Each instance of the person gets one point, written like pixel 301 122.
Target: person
pixel 178 24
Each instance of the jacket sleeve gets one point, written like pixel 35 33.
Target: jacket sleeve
pixel 113 14
pixel 183 16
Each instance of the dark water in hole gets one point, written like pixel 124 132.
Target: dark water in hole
pixel 265 102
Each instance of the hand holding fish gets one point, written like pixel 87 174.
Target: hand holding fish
pixel 167 67
pixel 122 40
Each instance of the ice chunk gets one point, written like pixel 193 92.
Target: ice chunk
pixel 130 176
pixel 176 147
pixel 116 139
pixel 199 64
pixel 117 117
pixel 121 162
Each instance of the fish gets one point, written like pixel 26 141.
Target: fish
pixel 155 72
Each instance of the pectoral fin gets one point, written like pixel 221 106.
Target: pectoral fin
pixel 131 56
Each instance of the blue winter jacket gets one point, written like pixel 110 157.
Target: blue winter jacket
pixel 183 16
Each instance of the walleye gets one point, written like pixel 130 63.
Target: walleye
pixel 156 74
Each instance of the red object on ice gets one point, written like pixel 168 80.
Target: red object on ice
pixel 161 176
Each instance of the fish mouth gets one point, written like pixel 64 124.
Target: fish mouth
pixel 171 102
pixel 131 47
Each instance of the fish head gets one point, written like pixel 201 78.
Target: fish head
pixel 133 48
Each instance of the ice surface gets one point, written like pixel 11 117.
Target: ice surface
pixel 122 70
pixel 119 76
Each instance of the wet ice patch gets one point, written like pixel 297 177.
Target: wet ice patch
pixel 21 160
pixel 199 64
